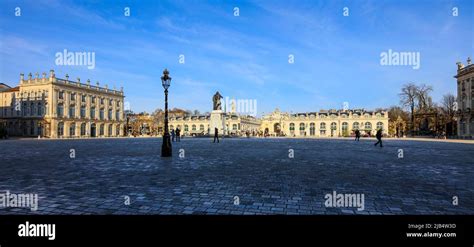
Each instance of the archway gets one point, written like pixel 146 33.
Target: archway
pixel 277 129
pixel 93 130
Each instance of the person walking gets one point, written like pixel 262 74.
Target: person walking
pixel 172 135
pixel 357 133
pixel 379 138
pixel 216 135
pixel 178 135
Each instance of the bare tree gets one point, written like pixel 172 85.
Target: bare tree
pixel 448 110
pixel 448 105
pixel 408 98
pixel 425 103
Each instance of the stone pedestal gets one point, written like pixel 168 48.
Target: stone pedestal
pixel 217 121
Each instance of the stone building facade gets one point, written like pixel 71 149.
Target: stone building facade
pixel 465 99
pixel 196 125
pixel 60 108
pixel 332 123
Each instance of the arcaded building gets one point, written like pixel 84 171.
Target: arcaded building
pixel 325 123
pixel 60 108
pixel 234 123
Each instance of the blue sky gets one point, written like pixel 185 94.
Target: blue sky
pixel 337 58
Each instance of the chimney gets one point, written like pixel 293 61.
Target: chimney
pixel 44 77
pixel 22 77
pixel 67 78
pixel 29 77
pixel 468 61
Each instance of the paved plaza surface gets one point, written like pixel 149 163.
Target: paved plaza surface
pixel 255 174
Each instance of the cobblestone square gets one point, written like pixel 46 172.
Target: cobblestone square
pixel 237 176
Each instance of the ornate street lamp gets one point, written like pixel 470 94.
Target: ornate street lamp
pixel 166 146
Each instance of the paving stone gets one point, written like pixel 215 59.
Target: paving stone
pixel 256 170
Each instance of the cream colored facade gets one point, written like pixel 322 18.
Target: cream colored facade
pixel 60 108
pixel 465 99
pixel 200 125
pixel 333 123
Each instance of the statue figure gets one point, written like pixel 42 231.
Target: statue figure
pixel 216 99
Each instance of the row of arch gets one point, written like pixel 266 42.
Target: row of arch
pixel 194 127
pixel 333 126
pixel 95 130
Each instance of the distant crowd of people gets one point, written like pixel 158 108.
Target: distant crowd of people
pixel 176 135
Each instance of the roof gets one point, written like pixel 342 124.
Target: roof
pixel 14 89
pixel 4 87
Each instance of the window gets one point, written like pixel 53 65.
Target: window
pixel 117 130
pixel 110 102
pixel 101 114
pixel 72 111
pixel 83 129
pixel 24 109
pixel 322 126
pixel 61 95
pixel 32 109
pixel 118 103
pixel 345 129
pixel 186 127
pixel 355 126
pixel 302 128
pixel 201 127
pixel 333 126
pixel 93 101
pixel 379 126
pixel 60 110
pixel 368 126
pixel 72 129
pixel 73 97
pixel 101 130
pixel 83 98
pixel 92 113
pixel 110 130
pixel 83 111
pixel 60 129
pixel 312 129
pixel 101 101
pixel 40 109
pixel 345 126
pixel 194 127
pixel 234 127
pixel 472 98
pixel 117 115
pixel 110 114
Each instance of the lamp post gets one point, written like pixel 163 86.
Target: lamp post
pixel 166 146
